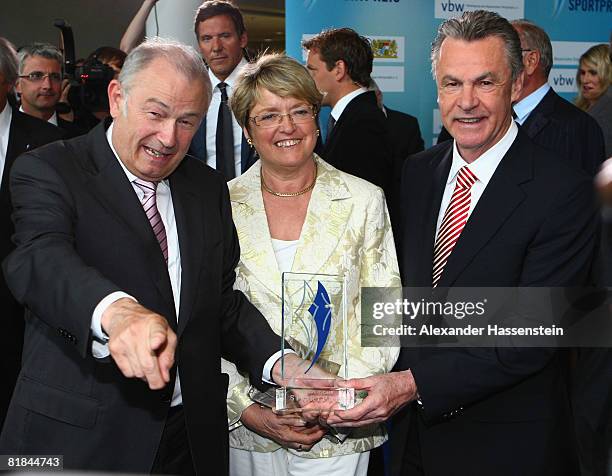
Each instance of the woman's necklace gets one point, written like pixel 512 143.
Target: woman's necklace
pixel 291 194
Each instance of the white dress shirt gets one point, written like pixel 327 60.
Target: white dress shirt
pixel 5 128
pixel 523 108
pixel 483 167
pixel 340 106
pixel 211 120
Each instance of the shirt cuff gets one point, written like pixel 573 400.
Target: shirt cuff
pixel 267 370
pixel 96 319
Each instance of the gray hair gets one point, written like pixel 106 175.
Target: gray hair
pixel 8 61
pixel 535 38
pixel 44 50
pixel 183 59
pixel 478 25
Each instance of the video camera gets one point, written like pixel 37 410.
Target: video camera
pixel 89 81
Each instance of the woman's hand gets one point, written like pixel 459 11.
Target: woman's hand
pixel 289 431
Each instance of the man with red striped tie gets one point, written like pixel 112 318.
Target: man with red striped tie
pixel 489 208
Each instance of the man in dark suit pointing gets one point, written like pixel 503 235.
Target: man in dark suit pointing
pixel 489 208
pixel 126 249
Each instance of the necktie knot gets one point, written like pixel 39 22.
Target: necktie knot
pixel 223 88
pixel 148 188
pixel 331 122
pixel 465 178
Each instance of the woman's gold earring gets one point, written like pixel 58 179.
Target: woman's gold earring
pixel 250 142
pixel 318 132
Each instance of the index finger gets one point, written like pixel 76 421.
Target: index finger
pixel 165 358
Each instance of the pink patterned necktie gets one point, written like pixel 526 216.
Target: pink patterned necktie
pixel 454 220
pixel 149 203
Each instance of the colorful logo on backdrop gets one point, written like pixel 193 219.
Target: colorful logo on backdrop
pixel 385 49
pixel 510 9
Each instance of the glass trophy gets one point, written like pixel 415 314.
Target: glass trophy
pixel 314 324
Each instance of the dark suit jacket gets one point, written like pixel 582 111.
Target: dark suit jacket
pixel 26 133
pixel 404 137
pixel 70 129
pixel 82 234
pixel 198 148
pixel 496 410
pixel 359 144
pixel 558 125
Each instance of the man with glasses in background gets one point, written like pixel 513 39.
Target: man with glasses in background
pixel 40 84
pixel 19 133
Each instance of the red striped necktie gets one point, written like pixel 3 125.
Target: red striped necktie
pixel 454 220
pixel 149 203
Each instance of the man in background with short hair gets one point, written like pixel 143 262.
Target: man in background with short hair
pixel 340 62
pixel 547 118
pixel 40 84
pixel 222 39
pixel 19 133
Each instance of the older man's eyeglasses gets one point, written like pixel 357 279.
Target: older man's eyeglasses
pixel 298 115
pixel 38 76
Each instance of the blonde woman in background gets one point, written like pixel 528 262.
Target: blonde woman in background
pixel 594 93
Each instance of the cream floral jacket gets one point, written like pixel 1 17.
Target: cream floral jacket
pixel 346 232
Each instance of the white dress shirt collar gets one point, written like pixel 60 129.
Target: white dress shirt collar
pixel 51 120
pixel 340 106
pixel 484 166
pixel 523 108
pixel 231 79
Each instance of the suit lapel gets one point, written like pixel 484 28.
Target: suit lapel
pixel 256 252
pixel 18 143
pixel 351 110
pixel 499 200
pixel 539 117
pixel 192 240
pixel 425 192
pixel 109 184
pixel 326 220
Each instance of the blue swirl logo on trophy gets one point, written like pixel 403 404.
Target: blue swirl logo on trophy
pixel 314 326
pixel 321 312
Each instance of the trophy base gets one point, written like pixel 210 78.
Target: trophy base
pixel 313 398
